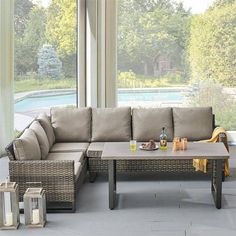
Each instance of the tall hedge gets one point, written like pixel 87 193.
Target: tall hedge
pixel 212 46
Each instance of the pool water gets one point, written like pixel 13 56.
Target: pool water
pixel 36 102
pixel 42 101
pixel 149 96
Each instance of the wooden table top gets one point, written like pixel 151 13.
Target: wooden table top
pixel 196 150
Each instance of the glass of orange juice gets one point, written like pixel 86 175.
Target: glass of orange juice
pixel 133 145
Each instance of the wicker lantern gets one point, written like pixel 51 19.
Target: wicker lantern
pixel 9 205
pixel 35 207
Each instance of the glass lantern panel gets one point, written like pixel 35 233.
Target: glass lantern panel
pixel 34 209
pixel 8 214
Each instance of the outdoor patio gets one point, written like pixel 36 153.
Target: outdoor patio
pixel 117 118
pixel 146 206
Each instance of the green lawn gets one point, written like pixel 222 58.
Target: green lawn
pixel 25 85
pixel 132 80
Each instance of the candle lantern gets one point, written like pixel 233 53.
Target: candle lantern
pixel 35 207
pixel 9 205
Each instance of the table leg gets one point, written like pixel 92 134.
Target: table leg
pixel 115 176
pixel 112 183
pixel 216 182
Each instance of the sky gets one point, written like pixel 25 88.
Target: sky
pixel 44 3
pixel 197 6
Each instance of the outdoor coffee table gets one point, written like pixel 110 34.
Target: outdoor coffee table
pixel 121 151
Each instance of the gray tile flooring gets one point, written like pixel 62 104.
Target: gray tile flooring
pixel 146 207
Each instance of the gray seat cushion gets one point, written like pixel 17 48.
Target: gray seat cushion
pixel 42 138
pixel 77 169
pixel 77 157
pixel 47 126
pixel 111 124
pixel 147 123
pixel 69 147
pixel 71 124
pixel 193 123
pixel 64 156
pixel 95 149
pixel 26 147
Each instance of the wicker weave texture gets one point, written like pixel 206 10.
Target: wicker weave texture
pixel 142 166
pixel 56 177
pixel 96 165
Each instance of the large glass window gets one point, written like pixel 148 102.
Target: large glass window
pixel 45 57
pixel 178 53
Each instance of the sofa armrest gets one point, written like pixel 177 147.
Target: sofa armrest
pixel 56 177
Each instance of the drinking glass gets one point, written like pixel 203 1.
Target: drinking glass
pixel 133 145
pixel 184 142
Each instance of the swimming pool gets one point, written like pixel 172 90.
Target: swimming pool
pixel 148 96
pixel 69 98
pixel 36 102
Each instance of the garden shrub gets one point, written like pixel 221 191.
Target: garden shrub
pixel 211 93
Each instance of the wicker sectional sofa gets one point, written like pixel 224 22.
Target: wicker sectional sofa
pixel 56 151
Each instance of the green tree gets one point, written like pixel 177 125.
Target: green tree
pixel 220 3
pixel 69 65
pixel 27 46
pixel 61 26
pixel 22 9
pixel 151 29
pixel 212 46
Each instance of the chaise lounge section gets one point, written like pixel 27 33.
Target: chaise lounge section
pixel 53 156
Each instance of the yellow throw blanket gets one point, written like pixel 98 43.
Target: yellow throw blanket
pixel 201 164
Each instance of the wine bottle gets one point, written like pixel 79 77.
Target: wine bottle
pixel 163 139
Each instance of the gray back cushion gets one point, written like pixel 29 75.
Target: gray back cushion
pixel 148 123
pixel 111 124
pixel 26 147
pixel 42 138
pixel 71 124
pixel 193 123
pixel 47 126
